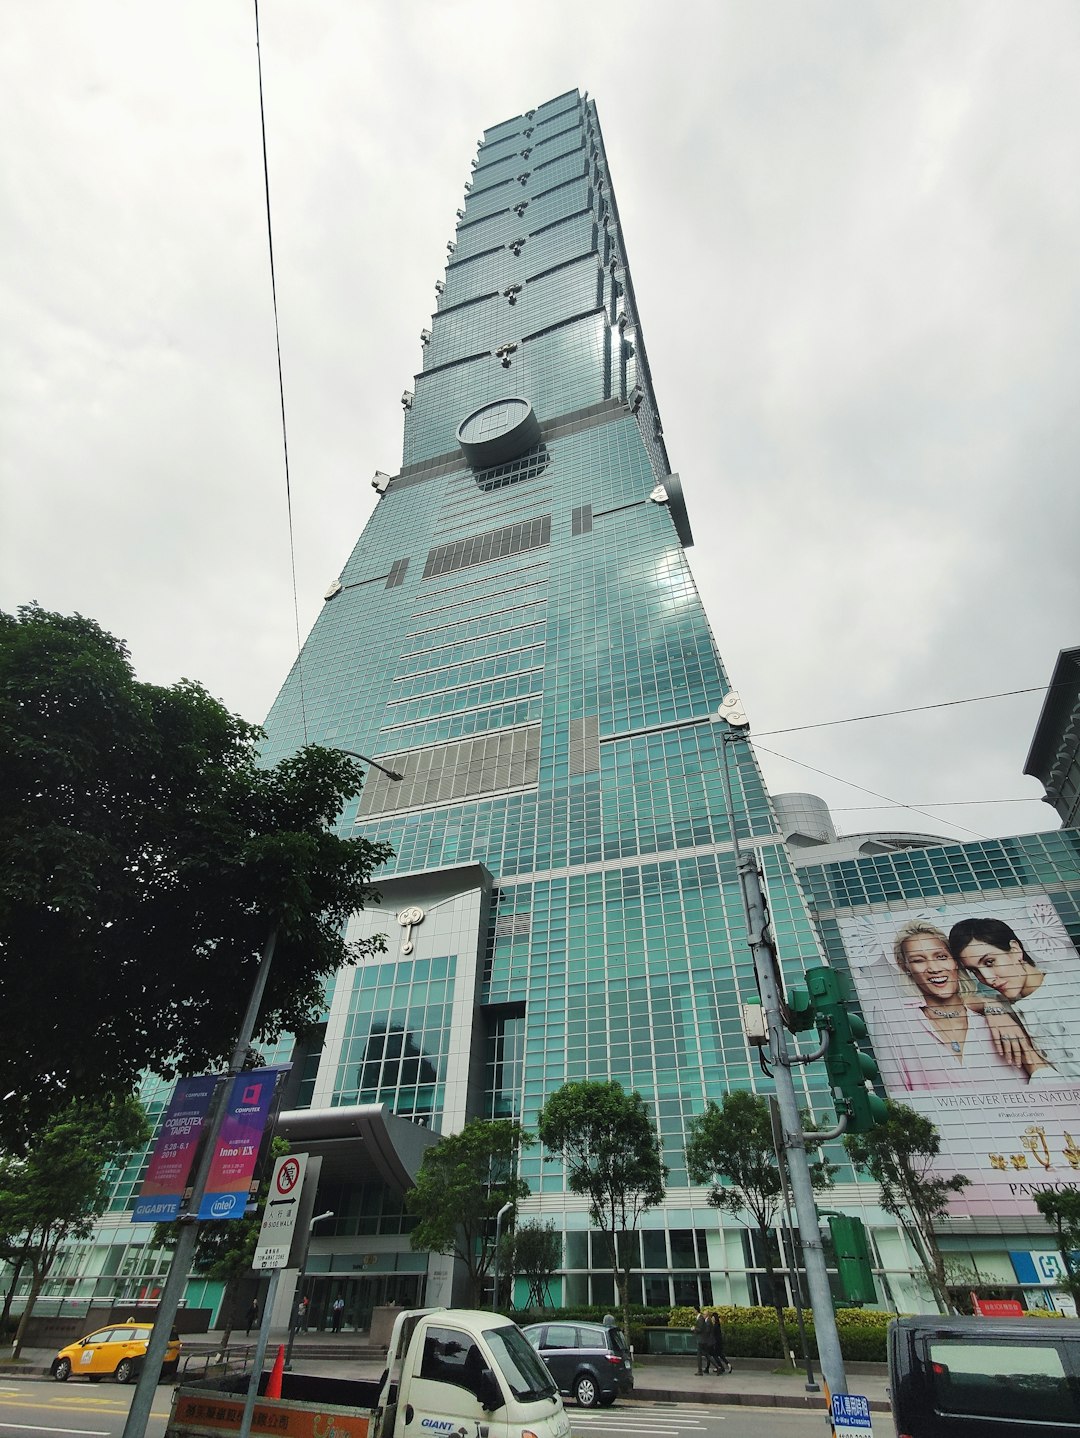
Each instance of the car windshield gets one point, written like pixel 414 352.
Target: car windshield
pixel 519 1364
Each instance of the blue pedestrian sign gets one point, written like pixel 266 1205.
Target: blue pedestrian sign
pixel 850 1415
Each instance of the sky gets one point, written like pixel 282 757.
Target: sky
pixel 854 232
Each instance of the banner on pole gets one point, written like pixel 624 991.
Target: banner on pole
pixel 174 1151
pixel 228 1186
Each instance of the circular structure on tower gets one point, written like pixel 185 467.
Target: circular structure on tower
pixel 498 432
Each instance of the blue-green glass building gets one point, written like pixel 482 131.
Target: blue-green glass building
pixel 517 633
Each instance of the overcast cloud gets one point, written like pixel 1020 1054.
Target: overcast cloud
pixel 853 229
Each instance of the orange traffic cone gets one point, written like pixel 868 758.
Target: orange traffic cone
pixel 273 1383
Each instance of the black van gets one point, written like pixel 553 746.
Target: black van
pixel 985 1377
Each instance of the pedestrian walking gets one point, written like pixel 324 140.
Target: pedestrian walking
pixel 299 1323
pixel 716 1345
pixel 252 1315
pixel 337 1313
pixel 701 1334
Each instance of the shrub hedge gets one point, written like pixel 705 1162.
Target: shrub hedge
pixel 748 1332
pixel 755 1333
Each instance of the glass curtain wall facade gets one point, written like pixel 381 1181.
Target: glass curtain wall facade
pixel 518 633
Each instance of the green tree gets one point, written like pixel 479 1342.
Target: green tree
pixel 145 857
pixel 730 1147
pixel 463 1182
pixel 56 1191
pixel 533 1251
pixel 611 1153
pixel 901 1155
pixel 1060 1208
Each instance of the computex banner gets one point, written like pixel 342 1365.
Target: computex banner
pixel 174 1151
pixel 228 1186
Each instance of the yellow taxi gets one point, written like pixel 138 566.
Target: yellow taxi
pixel 115 1351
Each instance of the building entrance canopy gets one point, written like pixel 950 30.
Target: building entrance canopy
pixel 361 1136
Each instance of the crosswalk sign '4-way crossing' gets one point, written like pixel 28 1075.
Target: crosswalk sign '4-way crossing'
pixel 279 1216
pixel 850 1416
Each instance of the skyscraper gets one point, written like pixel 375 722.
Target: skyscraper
pixel 518 634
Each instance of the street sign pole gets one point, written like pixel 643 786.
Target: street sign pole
pixel 260 1354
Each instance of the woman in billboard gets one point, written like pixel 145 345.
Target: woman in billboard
pixel 1044 1002
pixel 949 1043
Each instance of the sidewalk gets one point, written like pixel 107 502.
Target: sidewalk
pixel 755 1382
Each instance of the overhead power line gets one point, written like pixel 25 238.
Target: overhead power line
pixel 933 804
pixel 892 803
pixel 281 379
pixel 915 709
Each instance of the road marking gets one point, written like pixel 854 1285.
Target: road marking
pixel 653 1421
pixel 40 1428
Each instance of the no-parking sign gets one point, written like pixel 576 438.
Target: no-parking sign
pixel 279 1216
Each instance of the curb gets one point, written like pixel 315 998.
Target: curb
pixel 812 1402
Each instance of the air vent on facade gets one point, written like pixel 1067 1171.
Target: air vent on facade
pixel 584 745
pixel 510 926
pixel 484 548
pixel 397 573
pixel 448 773
pixel 527 467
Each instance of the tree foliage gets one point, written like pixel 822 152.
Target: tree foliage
pixel 533 1251
pixel 144 859
pixel 611 1153
pixel 730 1147
pixel 463 1182
pixel 901 1156
pixel 1060 1207
pixel 56 1191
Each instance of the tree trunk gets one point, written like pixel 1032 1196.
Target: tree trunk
pixel 37 1283
pixel 10 1294
pixel 774 1291
pixel 933 1265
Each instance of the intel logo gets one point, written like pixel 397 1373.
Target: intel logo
pixel 222 1207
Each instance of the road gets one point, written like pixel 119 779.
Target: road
pixel 77 1410
pixel 73 1410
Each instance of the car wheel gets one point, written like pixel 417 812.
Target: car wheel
pixel 62 1371
pixel 586 1391
pixel 124 1370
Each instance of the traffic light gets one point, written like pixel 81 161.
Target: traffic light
pixel 824 1004
pixel 853 1270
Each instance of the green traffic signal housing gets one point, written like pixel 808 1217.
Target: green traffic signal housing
pixel 855 1274
pixel 823 1004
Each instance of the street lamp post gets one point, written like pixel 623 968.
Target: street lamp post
pixel 506 1208
pixel 295 1323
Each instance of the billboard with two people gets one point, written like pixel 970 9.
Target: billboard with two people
pixel 973 1009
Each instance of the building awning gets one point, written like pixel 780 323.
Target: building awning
pixel 359 1142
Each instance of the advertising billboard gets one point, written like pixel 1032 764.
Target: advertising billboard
pixel 229 1183
pixel 174 1151
pixel 973 1009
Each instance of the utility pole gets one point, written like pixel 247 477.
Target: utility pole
pixel 767 972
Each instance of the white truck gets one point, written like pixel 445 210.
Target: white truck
pixel 458 1372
